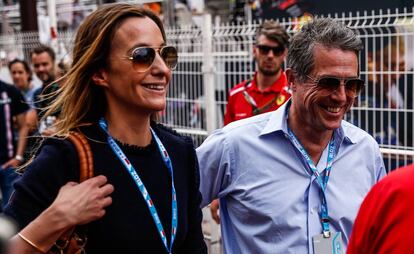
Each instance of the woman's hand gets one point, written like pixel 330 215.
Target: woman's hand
pixel 75 204
pixel 80 203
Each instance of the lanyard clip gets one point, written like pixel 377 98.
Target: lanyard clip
pixel 325 225
pixel 326 234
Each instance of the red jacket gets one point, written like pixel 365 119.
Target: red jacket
pixel 238 106
pixel 385 222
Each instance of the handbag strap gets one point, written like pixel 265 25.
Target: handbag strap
pixel 72 241
pixel 83 148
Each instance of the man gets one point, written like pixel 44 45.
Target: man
pixel 382 111
pixel 271 171
pixel 43 60
pixel 268 89
pixel 406 129
pixel 12 106
pixel 386 218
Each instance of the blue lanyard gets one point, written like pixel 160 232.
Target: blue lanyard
pixel 174 214
pixel 321 180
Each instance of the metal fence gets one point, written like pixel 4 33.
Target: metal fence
pixel 215 57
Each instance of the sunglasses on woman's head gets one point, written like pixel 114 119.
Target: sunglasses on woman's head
pixel 143 57
pixel 264 49
pixel 353 86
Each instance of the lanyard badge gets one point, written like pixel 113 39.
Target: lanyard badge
pixel 331 245
pixel 151 207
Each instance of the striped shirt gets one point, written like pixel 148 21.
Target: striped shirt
pixel 12 103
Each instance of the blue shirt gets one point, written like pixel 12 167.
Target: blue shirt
pixel 29 96
pixel 269 199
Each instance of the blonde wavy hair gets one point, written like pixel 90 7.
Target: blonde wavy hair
pixel 78 99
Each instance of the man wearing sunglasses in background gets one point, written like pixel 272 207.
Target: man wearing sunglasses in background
pixel 292 180
pixel 267 90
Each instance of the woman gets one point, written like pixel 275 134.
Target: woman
pixel 117 83
pixel 22 77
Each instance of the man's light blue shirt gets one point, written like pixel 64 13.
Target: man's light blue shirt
pixel 269 199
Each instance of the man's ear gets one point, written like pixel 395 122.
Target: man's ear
pixel 370 56
pixel 100 78
pixel 285 53
pixel 291 79
pixel 371 67
pixel 255 52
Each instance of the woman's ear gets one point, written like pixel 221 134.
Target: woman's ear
pixel 291 79
pixel 100 78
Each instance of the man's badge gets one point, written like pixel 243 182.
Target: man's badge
pixel 280 99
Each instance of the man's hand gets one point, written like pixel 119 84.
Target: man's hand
pixel 14 163
pixel 215 213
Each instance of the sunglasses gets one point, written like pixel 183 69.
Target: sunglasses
pixel 143 57
pixel 264 50
pixel 353 86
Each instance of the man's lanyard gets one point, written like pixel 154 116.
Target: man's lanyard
pixel 322 180
pixel 174 214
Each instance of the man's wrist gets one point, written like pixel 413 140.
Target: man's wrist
pixel 19 158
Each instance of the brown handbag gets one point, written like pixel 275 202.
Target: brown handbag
pixel 74 240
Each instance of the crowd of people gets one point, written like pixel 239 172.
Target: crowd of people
pixel 21 113
pixel 288 174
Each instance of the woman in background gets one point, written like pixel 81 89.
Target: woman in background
pixel 22 79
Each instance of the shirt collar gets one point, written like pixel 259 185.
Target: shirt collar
pixel 277 87
pixel 345 135
pixel 278 122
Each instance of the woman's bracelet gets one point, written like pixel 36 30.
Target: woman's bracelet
pixel 30 243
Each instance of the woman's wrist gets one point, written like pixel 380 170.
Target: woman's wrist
pixel 57 218
pixel 44 231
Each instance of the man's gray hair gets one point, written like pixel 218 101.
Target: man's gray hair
pixel 321 31
pixel 274 31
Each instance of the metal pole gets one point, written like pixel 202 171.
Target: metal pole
pixel 168 10
pixel 208 74
pixel 3 19
pixel 28 21
pixel 51 11
pixel 28 15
